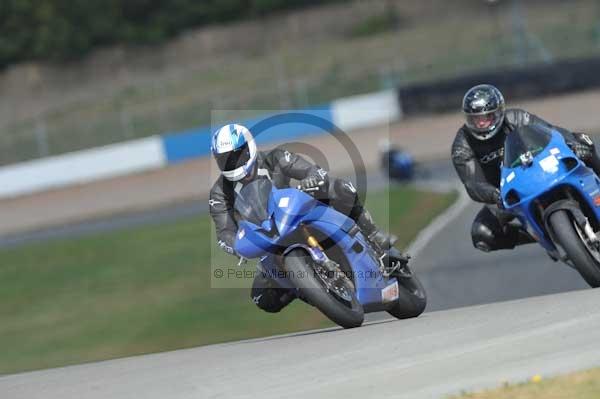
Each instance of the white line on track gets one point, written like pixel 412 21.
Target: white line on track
pixel 441 221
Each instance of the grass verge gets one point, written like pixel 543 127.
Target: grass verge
pixel 148 289
pixel 580 385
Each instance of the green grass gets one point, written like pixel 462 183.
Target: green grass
pixel 148 289
pixel 581 385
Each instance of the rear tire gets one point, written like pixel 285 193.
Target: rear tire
pixel 564 230
pixel 412 299
pixel 313 289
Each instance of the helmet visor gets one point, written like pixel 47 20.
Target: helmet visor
pixel 233 159
pixel 484 122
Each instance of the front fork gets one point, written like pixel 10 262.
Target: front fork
pixel 332 269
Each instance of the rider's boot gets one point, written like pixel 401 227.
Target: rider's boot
pixel 367 226
pixel 517 236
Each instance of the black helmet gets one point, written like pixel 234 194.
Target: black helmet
pixel 483 107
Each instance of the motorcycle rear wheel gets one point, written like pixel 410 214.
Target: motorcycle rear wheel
pixel 412 299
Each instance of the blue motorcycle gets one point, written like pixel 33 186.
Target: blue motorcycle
pixel 555 196
pixel 398 164
pixel 321 256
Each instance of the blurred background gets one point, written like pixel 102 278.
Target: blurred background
pixel 105 114
pixel 83 74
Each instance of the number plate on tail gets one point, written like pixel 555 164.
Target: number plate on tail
pixel 390 293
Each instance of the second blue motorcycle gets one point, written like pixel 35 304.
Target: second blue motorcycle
pixel 555 196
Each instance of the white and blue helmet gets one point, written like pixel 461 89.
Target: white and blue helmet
pixel 234 150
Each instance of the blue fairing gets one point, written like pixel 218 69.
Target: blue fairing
pixel 288 209
pixel 367 278
pixel 251 243
pixel 555 166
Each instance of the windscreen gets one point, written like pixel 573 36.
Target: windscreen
pixel 525 139
pixel 252 200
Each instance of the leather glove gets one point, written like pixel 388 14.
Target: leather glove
pixel 582 151
pixel 315 182
pixel 223 245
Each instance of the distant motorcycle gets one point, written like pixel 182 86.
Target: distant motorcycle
pixel 397 163
pixel 322 256
pixel 555 196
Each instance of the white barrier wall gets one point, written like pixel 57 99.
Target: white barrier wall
pixel 82 166
pixel 366 110
pixel 150 153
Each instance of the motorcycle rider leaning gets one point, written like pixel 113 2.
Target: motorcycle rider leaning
pixel 239 161
pixel 477 153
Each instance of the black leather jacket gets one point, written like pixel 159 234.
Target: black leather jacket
pixel 477 162
pixel 279 165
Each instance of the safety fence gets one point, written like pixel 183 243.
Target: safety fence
pixel 516 84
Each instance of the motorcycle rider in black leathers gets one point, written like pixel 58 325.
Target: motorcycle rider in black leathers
pixel 477 153
pixel 240 162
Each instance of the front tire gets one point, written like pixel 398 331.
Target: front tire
pixel 347 314
pixel 566 234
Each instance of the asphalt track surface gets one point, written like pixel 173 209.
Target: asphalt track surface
pixel 443 351
pixel 429 357
pixel 456 274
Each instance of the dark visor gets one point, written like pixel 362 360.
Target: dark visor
pixel 233 159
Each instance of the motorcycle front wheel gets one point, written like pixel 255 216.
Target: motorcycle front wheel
pixel 584 255
pixel 336 299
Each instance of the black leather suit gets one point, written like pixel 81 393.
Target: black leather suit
pixel 477 163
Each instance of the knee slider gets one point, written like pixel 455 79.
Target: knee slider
pixel 482 236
